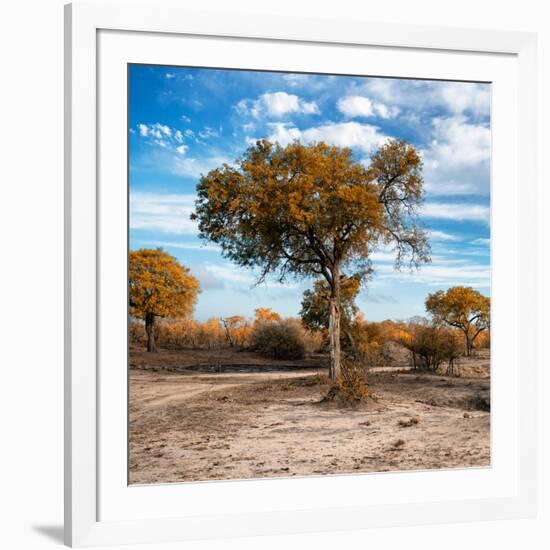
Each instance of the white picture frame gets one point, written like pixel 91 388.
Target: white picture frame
pixel 87 451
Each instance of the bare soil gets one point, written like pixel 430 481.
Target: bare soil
pixel 233 422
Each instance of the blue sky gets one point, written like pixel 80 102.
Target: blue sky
pixel 185 121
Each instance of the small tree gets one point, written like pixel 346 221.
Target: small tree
pixel 463 308
pixel 231 326
pixel 159 287
pixel 314 211
pixel 315 312
pixel 262 314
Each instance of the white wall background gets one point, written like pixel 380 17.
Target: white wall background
pixel 31 284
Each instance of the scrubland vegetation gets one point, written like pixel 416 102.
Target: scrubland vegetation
pixel 418 343
pixel 327 391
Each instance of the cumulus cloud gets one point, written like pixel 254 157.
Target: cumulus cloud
pixel 457 160
pixel 456 97
pixel 167 213
pixel 276 104
pixel 208 132
pixel 353 106
pixel 163 136
pixel 364 137
pixel 458 143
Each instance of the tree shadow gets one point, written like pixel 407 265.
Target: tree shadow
pixel 53 532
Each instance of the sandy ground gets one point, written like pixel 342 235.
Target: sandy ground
pixel 189 426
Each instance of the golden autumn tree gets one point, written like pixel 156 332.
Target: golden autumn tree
pixel 314 211
pixel 231 325
pixel 463 308
pixel 265 314
pixel 159 286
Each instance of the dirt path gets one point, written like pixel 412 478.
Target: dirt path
pixel 195 426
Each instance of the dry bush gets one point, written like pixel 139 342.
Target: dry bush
pixel 374 342
pixel 136 332
pixel 187 333
pixel 408 423
pixel 351 388
pixel 430 345
pixel 483 341
pixel 281 339
pixel 322 379
pixel 235 331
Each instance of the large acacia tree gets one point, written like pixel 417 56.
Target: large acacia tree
pixel 314 211
pixel 159 286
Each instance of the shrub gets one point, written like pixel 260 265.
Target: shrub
pixel 279 339
pixel 430 345
pixel 351 388
pixel 136 332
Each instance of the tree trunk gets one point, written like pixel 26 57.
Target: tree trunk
pixel 334 327
pixel 227 333
pixel 150 330
pixel 468 345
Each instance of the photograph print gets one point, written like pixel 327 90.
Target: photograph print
pixel 309 274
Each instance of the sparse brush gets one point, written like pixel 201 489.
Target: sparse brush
pixel 352 385
pixel 408 423
pixel 399 443
pixel 322 379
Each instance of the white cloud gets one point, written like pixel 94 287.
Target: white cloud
pixel 456 97
pixel 195 167
pixel 458 143
pixel 208 132
pixel 442 236
pixel 234 274
pixel 207 279
pixel 482 241
pixel 230 272
pixel 440 273
pixel 457 161
pixel 276 104
pixel 163 136
pixel 456 212
pixel 361 106
pixel 168 213
pixel 460 97
pixel 182 245
pixel 296 79
pixel 343 134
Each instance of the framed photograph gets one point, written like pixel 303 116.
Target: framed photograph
pixel 298 253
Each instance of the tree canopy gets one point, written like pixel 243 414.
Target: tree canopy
pixel 159 286
pixel 463 308
pixel 314 211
